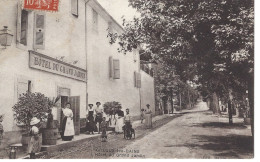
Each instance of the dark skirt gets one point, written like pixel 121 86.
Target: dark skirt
pixel 63 126
pixel 99 118
pixel 90 126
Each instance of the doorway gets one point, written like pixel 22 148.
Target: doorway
pixel 64 94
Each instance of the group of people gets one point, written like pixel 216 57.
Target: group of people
pixel 96 115
pixel 99 121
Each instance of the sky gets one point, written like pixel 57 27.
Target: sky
pixel 118 8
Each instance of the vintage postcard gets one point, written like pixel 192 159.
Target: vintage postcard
pixel 126 79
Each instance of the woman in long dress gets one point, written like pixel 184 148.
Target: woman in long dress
pixel 148 117
pixel 119 121
pixel 90 125
pixel 112 122
pixel 67 129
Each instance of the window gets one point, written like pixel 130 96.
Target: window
pixel 137 79
pixel 23 86
pixel 24 27
pixel 114 68
pixel 74 7
pixel 39 30
pixel 110 28
pixel 116 65
pixel 95 20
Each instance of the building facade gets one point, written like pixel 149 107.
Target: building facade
pixel 67 54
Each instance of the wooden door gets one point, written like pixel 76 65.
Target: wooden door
pixel 75 106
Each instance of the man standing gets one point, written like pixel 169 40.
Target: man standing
pixel 99 115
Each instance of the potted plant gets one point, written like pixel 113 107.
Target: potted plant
pixel 30 105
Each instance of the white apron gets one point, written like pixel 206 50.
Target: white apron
pixel 69 127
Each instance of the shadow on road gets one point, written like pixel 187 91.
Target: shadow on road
pixel 232 146
pixel 227 146
pixel 220 125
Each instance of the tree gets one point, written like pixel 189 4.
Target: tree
pixel 216 37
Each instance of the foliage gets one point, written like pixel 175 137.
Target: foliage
pixel 212 39
pixel 31 105
pixel 110 106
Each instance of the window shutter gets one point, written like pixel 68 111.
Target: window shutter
pixel 116 65
pixel 22 87
pixel 39 30
pixel 24 23
pixel 110 28
pixel 111 67
pixel 18 23
pixel 138 80
pixel 74 7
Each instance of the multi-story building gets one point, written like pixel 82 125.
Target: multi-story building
pixel 67 53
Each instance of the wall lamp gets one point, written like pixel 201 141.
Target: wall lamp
pixel 6 37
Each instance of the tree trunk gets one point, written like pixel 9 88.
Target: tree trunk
pixel 251 101
pixel 230 112
pixel 214 105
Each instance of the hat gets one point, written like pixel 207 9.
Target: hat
pixel 98 103
pixel 34 121
pixel 90 104
pixel 147 105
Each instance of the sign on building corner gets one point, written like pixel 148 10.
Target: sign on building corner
pixel 46 5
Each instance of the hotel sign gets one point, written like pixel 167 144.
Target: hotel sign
pixel 45 63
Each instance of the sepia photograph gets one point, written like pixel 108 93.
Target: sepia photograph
pixel 127 79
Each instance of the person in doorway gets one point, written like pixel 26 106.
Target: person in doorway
pixel 90 125
pixel 67 128
pixel 119 121
pixel 148 117
pixel 142 116
pixel 99 116
pixel 103 127
pixel 35 142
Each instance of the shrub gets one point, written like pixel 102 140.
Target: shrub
pixel 31 105
pixel 108 106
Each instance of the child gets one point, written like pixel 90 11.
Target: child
pixel 36 140
pixel 103 127
pixel 142 115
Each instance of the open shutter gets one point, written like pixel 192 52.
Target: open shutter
pixel 138 80
pixel 116 65
pixel 75 106
pixel 111 67
pixel 39 30
pixel 135 79
pixel 22 87
pixel 18 23
pixel 74 7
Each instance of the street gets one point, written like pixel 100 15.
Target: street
pixel 196 134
